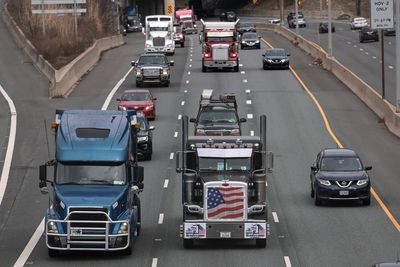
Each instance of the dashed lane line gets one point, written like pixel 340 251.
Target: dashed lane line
pixel 250 116
pixel 161 218
pixel 251 133
pixel 248 102
pixel 154 262
pixel 10 147
pixel 179 116
pixel 287 261
pixel 166 181
pixel 182 103
pixel 275 216
pixel 176 134
pixel 248 91
pixel 171 156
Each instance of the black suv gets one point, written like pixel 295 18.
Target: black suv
pixel 250 39
pixel 246 27
pixel 152 68
pixel 217 117
pixel 368 34
pixel 145 138
pixel 228 16
pixel 338 174
pixel 275 58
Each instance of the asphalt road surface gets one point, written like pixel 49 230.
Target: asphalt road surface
pixel 339 234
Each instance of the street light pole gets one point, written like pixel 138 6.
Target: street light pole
pixel 330 28
pixel 397 56
pixel 320 16
pixel 296 11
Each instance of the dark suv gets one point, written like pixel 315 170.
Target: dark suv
pixel 368 34
pixel 217 117
pixel 145 138
pixel 228 16
pixel 338 174
pixel 152 68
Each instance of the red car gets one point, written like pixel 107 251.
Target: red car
pixel 140 100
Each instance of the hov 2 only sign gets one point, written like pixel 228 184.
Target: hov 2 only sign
pixel 382 14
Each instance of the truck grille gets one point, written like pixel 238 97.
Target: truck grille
pixel 158 41
pixel 220 52
pixel 218 132
pixel 151 72
pixel 88 214
pixel 226 201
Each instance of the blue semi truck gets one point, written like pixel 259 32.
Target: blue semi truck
pixel 95 182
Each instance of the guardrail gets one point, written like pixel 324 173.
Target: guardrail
pixel 385 110
pixel 62 81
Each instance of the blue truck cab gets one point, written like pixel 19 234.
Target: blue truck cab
pixel 94 203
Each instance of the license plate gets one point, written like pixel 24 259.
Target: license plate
pixel 344 193
pixel 76 232
pixel 225 234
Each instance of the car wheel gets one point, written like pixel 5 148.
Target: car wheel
pixel 203 68
pixel 53 253
pixel 188 243
pixel 241 47
pixel 261 243
pixel 264 67
pixel 317 199
pixel 138 84
pixel 129 249
pixel 366 202
pixel 259 47
pixel 182 44
pixel 166 84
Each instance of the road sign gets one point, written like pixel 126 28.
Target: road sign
pixel 170 10
pixel 169 7
pixel 382 14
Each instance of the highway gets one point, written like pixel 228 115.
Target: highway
pixel 341 234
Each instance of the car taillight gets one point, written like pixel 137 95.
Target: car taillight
pixel 233 54
pixel 207 55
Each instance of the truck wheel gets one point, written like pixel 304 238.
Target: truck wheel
pixel 138 84
pixel 128 250
pixel 53 253
pixel 261 243
pixel 236 69
pixel 188 243
pixel 182 44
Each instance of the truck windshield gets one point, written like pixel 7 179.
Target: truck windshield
pixel 224 164
pixel 90 174
pixel 220 39
pixel 152 60
pixel 158 29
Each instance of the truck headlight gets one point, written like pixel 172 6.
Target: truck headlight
pixel 169 45
pixel 200 131
pixel 362 182
pixel 324 182
pixel 148 45
pixel 52 228
pixel 235 131
pixel 164 72
pixel 143 138
pixel 138 72
pixel 123 229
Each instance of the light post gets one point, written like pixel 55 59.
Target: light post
pixel 330 28
pixel 296 11
pixel 397 21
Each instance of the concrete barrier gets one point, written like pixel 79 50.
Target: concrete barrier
pixel 62 81
pixel 385 110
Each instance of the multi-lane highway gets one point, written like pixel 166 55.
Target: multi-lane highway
pixel 341 234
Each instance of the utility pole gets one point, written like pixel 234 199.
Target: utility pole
pixel 330 28
pixel 281 5
pixel 296 11
pixel 397 55
pixel 320 16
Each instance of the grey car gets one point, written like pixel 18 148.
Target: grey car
pixel 152 69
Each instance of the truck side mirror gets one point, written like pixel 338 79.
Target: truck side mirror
pixel 179 168
pixel 43 179
pixel 118 98
pixel 242 120
pixel 193 120
pixel 171 63
pixel 133 63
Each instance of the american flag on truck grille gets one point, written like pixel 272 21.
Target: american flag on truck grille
pixel 225 202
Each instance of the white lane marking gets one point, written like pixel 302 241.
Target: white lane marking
pixel 390 43
pixel 374 57
pixel 266 183
pixel 187 81
pixel 191 55
pixel 161 218
pixel 10 147
pixel 190 65
pixel 154 262
pixel 40 229
pixel 171 156
pixel 249 116
pixel 248 91
pixel 30 246
pixel 240 65
pixel 361 49
pixel 276 219
pixel 182 103
pixel 185 91
pixel 188 72
pixel 287 261
pixel 251 133
pixel 245 81
pixel 191 59
pixel 366 53
pixel 116 87
pixel 354 46
pixel 391 67
pixel 248 102
pixel 166 181
pixel 242 72
pixel 348 42
pixel 179 117
pixel 176 134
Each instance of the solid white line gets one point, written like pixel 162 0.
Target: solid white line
pixel 10 147
pixel 248 102
pixel 116 87
pixel 287 261
pixel 251 133
pixel 40 229
pixel 179 117
pixel 171 156
pixel 30 246
pixel 176 134
pixel 161 218
pixel 248 91
pixel 249 116
pixel 182 103
pixel 166 181
pixel 276 219
pixel 154 262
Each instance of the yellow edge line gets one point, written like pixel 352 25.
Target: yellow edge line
pixel 339 144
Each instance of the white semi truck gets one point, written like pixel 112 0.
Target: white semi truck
pixel 158 31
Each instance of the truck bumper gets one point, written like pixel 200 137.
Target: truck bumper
pixel 251 229
pixel 220 63
pixel 159 50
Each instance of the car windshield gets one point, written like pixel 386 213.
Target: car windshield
pixel 158 29
pixel 221 164
pixel 135 97
pixel 359 20
pixel 90 174
pixel 246 25
pixel 152 60
pixel 341 164
pixel 275 52
pixel 249 36
pixel 220 39
pixel 224 117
